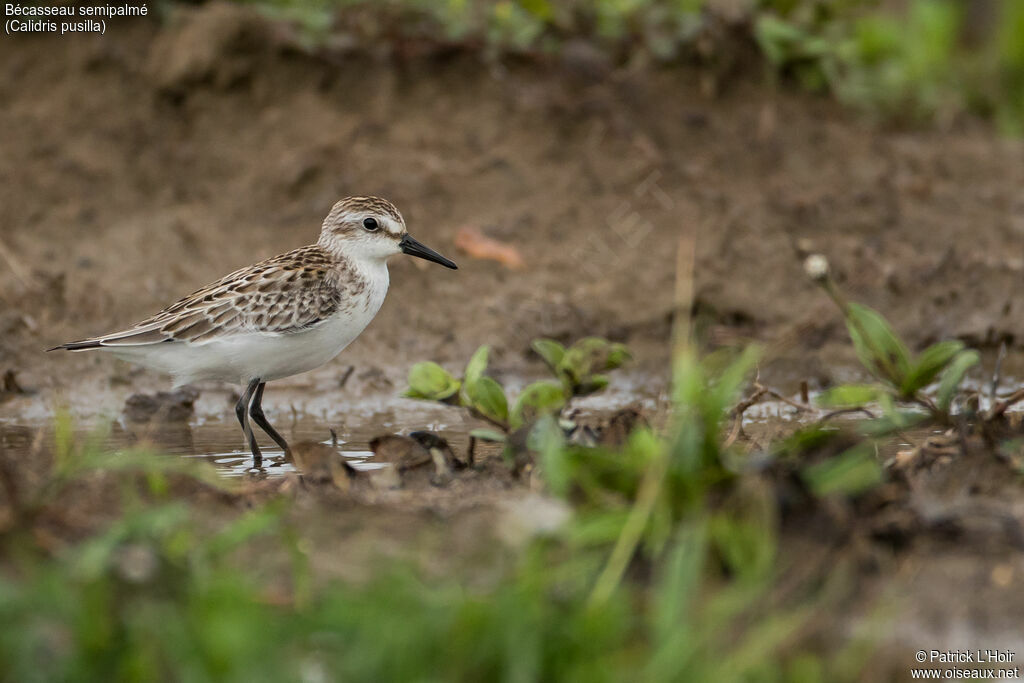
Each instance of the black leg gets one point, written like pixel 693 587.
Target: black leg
pixel 241 410
pixel 256 413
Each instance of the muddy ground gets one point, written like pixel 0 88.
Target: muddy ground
pixel 140 165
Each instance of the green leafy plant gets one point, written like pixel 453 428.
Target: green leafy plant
pixel 430 382
pixel 854 471
pixel 791 47
pixel 579 367
pixel 578 371
pixel 902 376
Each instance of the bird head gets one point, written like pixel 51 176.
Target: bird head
pixel 371 228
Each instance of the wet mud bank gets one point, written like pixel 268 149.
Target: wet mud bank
pixel 147 167
pixel 138 169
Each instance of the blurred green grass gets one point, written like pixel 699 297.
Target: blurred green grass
pixel 133 566
pixel 668 570
pixel 906 61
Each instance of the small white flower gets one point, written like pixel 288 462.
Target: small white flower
pixel 816 267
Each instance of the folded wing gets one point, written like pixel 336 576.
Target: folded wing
pixel 282 295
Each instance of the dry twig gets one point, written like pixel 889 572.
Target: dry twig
pixel 1000 408
pixel 997 372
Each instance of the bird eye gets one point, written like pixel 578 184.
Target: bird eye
pixel 371 224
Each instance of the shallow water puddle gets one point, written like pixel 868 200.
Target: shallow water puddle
pixel 236 462
pixel 221 442
pixel 222 446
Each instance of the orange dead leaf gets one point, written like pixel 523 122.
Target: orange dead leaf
pixel 479 245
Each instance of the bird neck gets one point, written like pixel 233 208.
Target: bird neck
pixel 371 271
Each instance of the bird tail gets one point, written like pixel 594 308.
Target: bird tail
pixel 137 336
pixel 78 345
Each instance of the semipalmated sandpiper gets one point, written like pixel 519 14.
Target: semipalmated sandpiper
pixel 279 317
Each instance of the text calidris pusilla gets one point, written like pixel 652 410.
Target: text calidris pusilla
pixel 279 317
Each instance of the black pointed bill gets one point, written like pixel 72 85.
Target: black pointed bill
pixel 415 248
